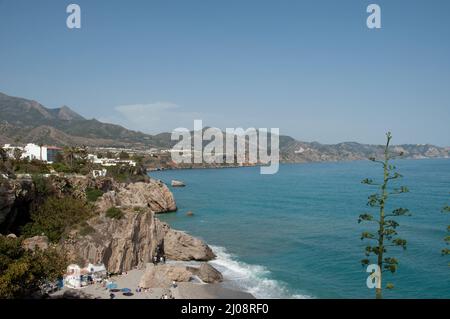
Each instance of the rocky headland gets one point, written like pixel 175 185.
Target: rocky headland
pixel 124 244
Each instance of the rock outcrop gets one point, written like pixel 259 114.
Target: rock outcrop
pixel 207 273
pixel 40 242
pixel 162 276
pixel 180 246
pixel 120 244
pixel 132 242
pixel 176 183
pixel 19 196
pixel 153 194
pixel 16 196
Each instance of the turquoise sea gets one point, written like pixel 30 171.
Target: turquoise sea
pixel 295 234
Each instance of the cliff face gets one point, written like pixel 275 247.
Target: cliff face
pixel 133 241
pixel 16 196
pixel 120 244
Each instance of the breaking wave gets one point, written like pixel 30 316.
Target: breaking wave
pixel 254 279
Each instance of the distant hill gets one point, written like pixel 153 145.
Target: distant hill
pixel 28 121
pixel 25 121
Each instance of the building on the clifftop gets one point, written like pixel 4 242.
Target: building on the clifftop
pixel 34 152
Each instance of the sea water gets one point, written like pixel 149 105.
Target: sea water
pixel 295 234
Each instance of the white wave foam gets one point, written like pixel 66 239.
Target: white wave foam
pixel 254 279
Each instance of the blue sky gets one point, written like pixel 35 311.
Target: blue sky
pixel 311 68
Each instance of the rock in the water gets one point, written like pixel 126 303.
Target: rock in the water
pixel 189 213
pixel 176 183
pixel 154 194
pixel 40 242
pixel 181 246
pixel 162 276
pixel 209 274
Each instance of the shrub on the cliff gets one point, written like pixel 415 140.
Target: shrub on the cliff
pixel 86 229
pixel 92 194
pixel 61 167
pixel 24 166
pixel 22 271
pixel 138 209
pixel 42 185
pixel 127 174
pixel 114 212
pixel 56 216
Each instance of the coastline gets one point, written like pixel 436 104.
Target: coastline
pixel 131 279
pixel 171 168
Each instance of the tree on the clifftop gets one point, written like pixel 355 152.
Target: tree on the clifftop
pixel 385 234
pixel 22 271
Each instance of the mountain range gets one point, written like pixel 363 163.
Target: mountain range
pixel 27 121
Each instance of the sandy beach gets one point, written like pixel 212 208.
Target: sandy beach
pixel 183 290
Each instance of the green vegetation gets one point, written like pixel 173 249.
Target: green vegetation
pixel 138 209
pixel 25 166
pixel 92 194
pixel 75 160
pixel 42 185
pixel 127 173
pixel 114 212
pixel 124 155
pixel 386 233
pixel 22 272
pixel 61 167
pixel 55 216
pixel 86 229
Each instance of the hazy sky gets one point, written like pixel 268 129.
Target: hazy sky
pixel 311 68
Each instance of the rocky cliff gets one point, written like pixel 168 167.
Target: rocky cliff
pixel 121 244
pixel 19 196
pixel 16 196
pixel 153 194
pixel 132 241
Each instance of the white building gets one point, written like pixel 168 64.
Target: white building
pixel 34 152
pixel 110 161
